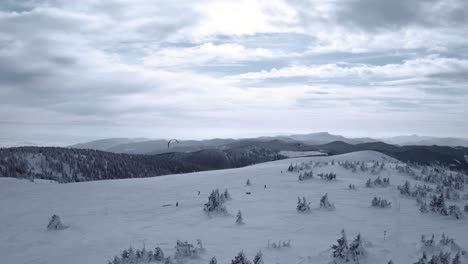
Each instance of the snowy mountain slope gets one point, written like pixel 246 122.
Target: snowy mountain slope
pixel 105 217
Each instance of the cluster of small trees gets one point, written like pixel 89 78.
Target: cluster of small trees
pixel 130 256
pixel 306 175
pixel 187 250
pixel 242 259
pixel 378 182
pixel 183 250
pixel 352 253
pixel 444 247
pixel 327 176
pixel 441 258
pixel 380 202
pixel 216 202
pixel 302 205
pixel 300 167
pixel 279 244
pixel 437 205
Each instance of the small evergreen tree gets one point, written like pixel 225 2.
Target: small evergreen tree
pixel 248 182
pixel 239 219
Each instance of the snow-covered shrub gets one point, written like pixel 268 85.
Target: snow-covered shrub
pixel 423 207
pixel 226 195
pixel 352 186
pixel 280 244
pixel 215 203
pixel 248 182
pixel 213 261
pixel 327 176
pixel 324 203
pixel 380 202
pixel 452 194
pixel 455 211
pixel 341 250
pixel 158 254
pixel 378 182
pixel 302 205
pixel 258 259
pixel 437 205
pixel 55 223
pixel 239 219
pixel 186 250
pixel 405 189
pixel 306 176
pixel 130 256
pixel 356 249
pixel 241 259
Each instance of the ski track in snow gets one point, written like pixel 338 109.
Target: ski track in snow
pixel 105 217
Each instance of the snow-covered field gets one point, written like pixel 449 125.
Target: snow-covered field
pixel 105 217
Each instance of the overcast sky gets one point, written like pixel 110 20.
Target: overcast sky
pixel 72 71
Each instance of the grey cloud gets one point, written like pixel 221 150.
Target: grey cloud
pixel 382 14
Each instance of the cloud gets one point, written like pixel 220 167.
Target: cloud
pixel 221 68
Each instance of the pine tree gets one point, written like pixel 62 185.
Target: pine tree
pixel 248 182
pixel 341 250
pixel 258 259
pixel 239 219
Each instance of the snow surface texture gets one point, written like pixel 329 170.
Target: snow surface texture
pixel 105 217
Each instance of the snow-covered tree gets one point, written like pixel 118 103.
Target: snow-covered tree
pixel 215 203
pixel 379 202
pixel 55 223
pixel 184 249
pixel 405 189
pixel 356 249
pixel 240 259
pixel 341 250
pixel 248 182
pixel 258 259
pixel 423 207
pixel 302 205
pixel 239 219
pixel 158 254
pixel 455 211
pixel 456 259
pixel 226 195
pixel 324 203
pixel 213 261
pixel 352 186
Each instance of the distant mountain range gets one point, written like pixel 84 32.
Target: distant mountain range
pixel 73 164
pixel 147 146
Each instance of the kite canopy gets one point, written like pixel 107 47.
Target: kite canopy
pixel 169 142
